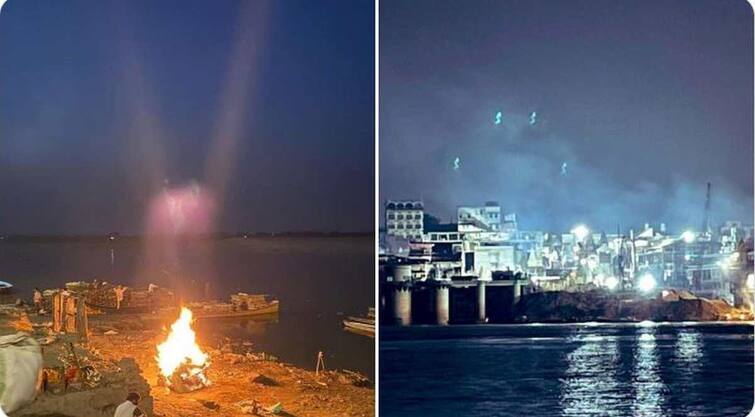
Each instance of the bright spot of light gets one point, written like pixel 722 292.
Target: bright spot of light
pixel 688 236
pixel 646 323
pixel 611 283
pixel 750 281
pixel 646 283
pixel 580 232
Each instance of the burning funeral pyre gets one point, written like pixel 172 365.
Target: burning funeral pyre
pixel 182 363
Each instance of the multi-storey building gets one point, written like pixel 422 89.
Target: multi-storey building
pixel 404 218
pixel 479 219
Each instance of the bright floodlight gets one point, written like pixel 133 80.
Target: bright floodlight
pixel 611 283
pixel 688 236
pixel 646 283
pixel 580 232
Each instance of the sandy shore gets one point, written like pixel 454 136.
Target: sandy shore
pixel 126 360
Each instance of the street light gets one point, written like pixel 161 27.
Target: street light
pixel 688 236
pixel 646 283
pixel 611 283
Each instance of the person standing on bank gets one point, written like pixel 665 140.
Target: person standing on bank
pixel 119 291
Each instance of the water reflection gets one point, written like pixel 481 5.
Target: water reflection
pixel 689 350
pixel 590 386
pixel 646 382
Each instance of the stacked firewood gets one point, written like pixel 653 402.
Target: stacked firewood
pixel 244 301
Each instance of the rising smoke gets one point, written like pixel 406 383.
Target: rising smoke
pixel 538 172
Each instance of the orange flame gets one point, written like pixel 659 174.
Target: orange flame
pixel 180 347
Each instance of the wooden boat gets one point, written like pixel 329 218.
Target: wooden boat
pixel 361 325
pixel 5 287
pixel 123 310
pixel 211 311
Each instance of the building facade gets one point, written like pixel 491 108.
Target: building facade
pixel 404 219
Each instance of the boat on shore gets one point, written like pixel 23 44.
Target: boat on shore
pixel 5 287
pixel 241 305
pixel 361 325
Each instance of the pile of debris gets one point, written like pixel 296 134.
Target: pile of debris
pixel 100 399
pixel 568 307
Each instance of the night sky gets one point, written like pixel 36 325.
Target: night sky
pixel 645 102
pixel 267 105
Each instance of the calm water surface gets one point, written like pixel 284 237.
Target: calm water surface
pixel 702 370
pixel 318 281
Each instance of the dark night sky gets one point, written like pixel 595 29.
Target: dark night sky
pixel 645 101
pixel 101 102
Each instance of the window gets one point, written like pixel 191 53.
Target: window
pixel 400 226
pixel 391 216
pixel 400 217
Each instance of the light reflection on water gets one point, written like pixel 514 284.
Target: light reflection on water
pixel 647 384
pixel 689 350
pixel 590 386
pixel 613 370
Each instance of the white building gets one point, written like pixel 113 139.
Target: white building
pixel 479 219
pixel 403 218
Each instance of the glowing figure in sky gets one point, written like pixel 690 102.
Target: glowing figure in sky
pixel 498 118
pixel 457 164
pixel 563 168
pixel 533 118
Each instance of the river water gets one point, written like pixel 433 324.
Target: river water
pixel 317 280
pixel 612 370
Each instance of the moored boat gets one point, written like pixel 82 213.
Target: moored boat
pixel 361 325
pixel 5 287
pixel 241 305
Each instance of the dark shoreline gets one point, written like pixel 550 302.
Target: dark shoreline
pixel 212 237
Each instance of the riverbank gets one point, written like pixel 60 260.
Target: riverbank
pixel 601 306
pixel 122 349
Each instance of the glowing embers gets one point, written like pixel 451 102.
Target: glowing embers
pixel 182 363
